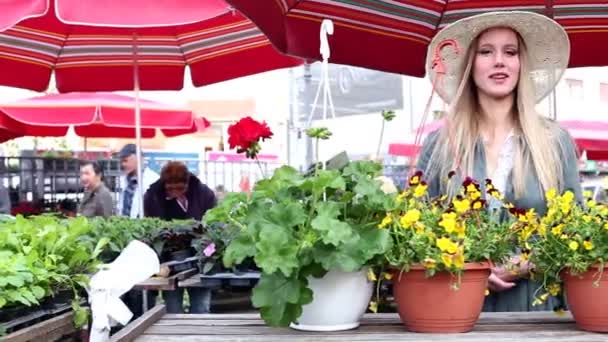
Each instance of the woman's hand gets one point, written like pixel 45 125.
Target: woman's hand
pixel 503 277
pixel 496 284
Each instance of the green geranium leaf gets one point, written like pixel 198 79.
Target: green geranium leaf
pixel 332 230
pixel 239 249
pixel 276 250
pixel 362 169
pixel 280 298
pixel 374 242
pixel 282 179
pixel 287 215
pixel 347 259
pixel 327 179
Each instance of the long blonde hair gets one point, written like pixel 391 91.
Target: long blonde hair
pixel 538 145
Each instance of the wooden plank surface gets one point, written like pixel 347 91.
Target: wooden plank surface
pixel 491 327
pixel 50 330
pixel 167 284
pixel 138 326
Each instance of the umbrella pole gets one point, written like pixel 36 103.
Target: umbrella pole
pixel 140 182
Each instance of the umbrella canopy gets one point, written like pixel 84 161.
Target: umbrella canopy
pixel 92 58
pixel 95 115
pixel 113 13
pixel 590 137
pixel 393 36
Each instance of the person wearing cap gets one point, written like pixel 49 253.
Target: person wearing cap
pixel 492 69
pixel 130 196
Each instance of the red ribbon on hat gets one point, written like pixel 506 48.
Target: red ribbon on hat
pixel 440 70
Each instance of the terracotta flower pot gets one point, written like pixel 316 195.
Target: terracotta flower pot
pixel 588 303
pixel 431 305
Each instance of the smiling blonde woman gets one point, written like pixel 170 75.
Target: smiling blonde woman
pixel 492 69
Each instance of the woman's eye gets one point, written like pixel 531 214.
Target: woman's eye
pixel 484 52
pixel 512 52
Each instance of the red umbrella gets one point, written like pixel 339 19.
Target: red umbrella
pixel 589 136
pixel 137 13
pixel 95 115
pixel 393 35
pixel 91 58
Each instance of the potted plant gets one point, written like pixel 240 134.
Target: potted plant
pixel 441 254
pixel 568 247
pixel 313 237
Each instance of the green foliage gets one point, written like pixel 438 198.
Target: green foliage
pixel 42 255
pixel 296 226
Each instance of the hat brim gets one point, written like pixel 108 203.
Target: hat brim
pixel 546 41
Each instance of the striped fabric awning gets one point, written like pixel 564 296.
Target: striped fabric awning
pixel 89 58
pixel 393 35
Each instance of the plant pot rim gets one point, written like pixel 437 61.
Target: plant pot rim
pixel 596 266
pixel 468 266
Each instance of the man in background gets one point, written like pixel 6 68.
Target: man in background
pixel 130 196
pixel 129 206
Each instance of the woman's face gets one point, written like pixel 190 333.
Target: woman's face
pixel 496 64
pixel 175 190
pixel 88 178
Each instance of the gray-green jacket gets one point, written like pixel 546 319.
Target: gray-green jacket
pixel 97 203
pixel 519 298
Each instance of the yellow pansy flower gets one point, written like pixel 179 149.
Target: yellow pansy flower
pixel 388 219
pixel 462 206
pixel 429 263
pixel 447 245
pixel 411 216
pixel 459 261
pixel 591 204
pixel 551 194
pixel 371 276
pixel 587 218
pixel 420 190
pixel 588 245
pixel 414 180
pixel 557 230
pixel 460 229
pixel 447 260
pixel 472 188
pixel 573 245
pixel 554 289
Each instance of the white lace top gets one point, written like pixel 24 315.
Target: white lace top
pixel 500 176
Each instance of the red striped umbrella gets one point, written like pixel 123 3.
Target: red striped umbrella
pixel 126 13
pixel 393 35
pixel 91 58
pixel 590 137
pixel 95 115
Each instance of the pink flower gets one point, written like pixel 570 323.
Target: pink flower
pixel 209 250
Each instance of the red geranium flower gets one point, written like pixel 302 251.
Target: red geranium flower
pixel 245 136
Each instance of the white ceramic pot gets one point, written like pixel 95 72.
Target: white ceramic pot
pixel 339 301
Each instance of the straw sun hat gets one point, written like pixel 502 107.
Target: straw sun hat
pixel 546 41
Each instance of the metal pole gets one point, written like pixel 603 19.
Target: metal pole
pixel 140 182
pixel 307 85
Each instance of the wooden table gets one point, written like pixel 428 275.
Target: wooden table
pixel 162 283
pixel 492 327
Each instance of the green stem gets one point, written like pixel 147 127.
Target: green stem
pixel 316 157
pixel 260 166
pixel 380 142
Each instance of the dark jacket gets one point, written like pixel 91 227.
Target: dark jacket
pixel 200 199
pixel 97 203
